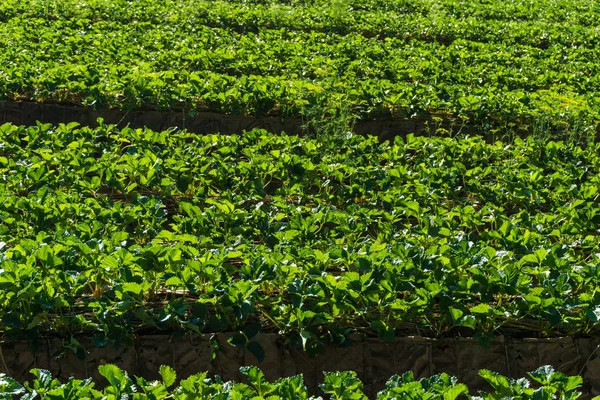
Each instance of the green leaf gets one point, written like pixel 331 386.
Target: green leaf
pixel 497 381
pixel 132 287
pixel 168 374
pixel 529 259
pixel 414 207
pixel 468 321
pixel 343 385
pixel 110 263
pixel 593 314
pixel 533 299
pixel 455 313
pixel 234 254
pixel 383 330
pixel 174 281
pixel 10 387
pixel 377 247
pixel 43 379
pixel 481 309
pixel 291 234
pixel 452 393
pixel 258 381
pixel 543 374
pixel 572 383
pixel 114 375
pixel 540 254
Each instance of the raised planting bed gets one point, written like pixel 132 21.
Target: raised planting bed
pixel 372 361
pixel 114 234
pixel 29 113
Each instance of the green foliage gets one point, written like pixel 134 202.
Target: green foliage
pixel 501 67
pixel 440 386
pixel 124 230
pixel 553 385
pixel 343 385
pixel 338 385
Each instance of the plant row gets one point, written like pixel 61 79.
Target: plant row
pixel 550 384
pixel 494 64
pixel 114 232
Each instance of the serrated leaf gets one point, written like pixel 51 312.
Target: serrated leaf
pixel 43 378
pixel 452 393
pixel 572 383
pixel 377 247
pixel 10 387
pixel 168 375
pixel 114 375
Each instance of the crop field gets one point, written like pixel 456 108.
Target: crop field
pixel 110 233
pixel 492 64
pixel 120 230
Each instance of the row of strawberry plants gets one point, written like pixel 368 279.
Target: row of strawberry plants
pixel 113 232
pixel 256 59
pixel 477 21
pixel 550 384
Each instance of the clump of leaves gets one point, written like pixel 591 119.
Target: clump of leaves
pixel 337 386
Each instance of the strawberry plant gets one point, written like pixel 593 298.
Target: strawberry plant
pixel 338 385
pixel 498 67
pixel 273 233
